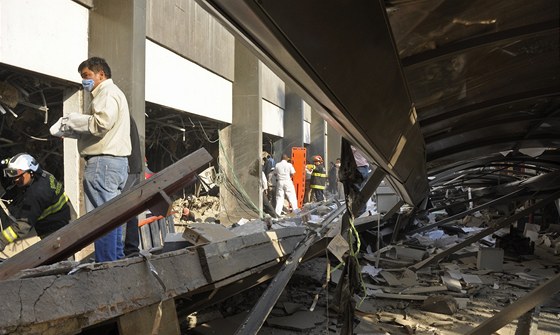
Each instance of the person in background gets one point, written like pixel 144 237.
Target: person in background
pixel 331 187
pixel 272 182
pixel 268 163
pixel 307 192
pixel 38 201
pixel 339 185
pixel 135 169
pixel 285 186
pixel 318 179
pixel 103 134
pixel 267 207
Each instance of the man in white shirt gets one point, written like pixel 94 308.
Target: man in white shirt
pixel 285 186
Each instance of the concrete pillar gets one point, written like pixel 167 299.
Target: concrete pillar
pixel 318 145
pixel 118 34
pixel 240 152
pixel 333 144
pixel 293 124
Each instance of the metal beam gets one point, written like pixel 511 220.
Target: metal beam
pixel 467 212
pixel 485 232
pixel 83 231
pixel 481 40
pixel 518 308
pixel 263 307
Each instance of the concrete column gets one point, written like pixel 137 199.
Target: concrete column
pixel 318 145
pixel 293 124
pixel 118 34
pixel 72 165
pixel 241 142
pixel 333 144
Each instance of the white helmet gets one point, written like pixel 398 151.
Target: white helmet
pixel 20 162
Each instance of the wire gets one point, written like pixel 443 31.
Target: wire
pixel 209 140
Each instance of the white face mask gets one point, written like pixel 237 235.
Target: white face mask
pixel 337 165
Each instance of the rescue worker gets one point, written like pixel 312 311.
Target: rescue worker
pixel 318 179
pixel 39 201
pixel 285 186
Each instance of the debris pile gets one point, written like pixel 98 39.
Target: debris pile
pixel 453 296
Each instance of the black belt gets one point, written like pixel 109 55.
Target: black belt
pixel 91 156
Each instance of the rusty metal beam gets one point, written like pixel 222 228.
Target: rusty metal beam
pixel 83 231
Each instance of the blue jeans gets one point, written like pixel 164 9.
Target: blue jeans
pixel 104 179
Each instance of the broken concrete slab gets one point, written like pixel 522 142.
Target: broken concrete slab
pixel 403 277
pixel 290 307
pixel 250 227
pixel 226 258
pixel 381 294
pixel 452 284
pixel 440 304
pixel 302 320
pixel 407 253
pixel 203 233
pixel 490 259
pixel 471 279
pixel 425 289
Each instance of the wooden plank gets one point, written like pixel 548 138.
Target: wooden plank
pixel 78 234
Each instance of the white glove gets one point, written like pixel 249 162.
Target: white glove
pixel 71 126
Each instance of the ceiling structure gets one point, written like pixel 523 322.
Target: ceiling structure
pixel 480 81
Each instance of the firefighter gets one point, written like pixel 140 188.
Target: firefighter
pixel 318 179
pixel 39 201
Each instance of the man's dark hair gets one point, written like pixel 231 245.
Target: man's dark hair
pixel 96 64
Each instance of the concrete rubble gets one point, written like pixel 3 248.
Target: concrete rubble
pixel 452 297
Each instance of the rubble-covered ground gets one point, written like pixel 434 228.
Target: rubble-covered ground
pixel 450 297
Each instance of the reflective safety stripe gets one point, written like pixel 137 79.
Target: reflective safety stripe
pixel 9 234
pixel 55 207
pixel 318 187
pixel 316 174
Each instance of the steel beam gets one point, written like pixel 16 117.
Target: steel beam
pixel 264 306
pixel 481 40
pixel 485 232
pixel 467 212
pixel 518 308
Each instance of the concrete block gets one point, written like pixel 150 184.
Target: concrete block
pixel 490 259
pixel 440 304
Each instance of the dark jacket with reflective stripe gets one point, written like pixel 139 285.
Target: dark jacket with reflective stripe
pixel 42 204
pixel 318 178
